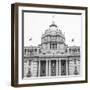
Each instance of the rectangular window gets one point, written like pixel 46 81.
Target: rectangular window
pixel 29 62
pixel 25 50
pixel 53 46
pixel 74 61
pixel 35 50
pixel 39 50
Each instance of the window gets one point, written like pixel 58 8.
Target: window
pixel 74 61
pixel 74 50
pixel 66 50
pixel 25 51
pixel 39 50
pixel 35 50
pixel 29 73
pixel 29 62
pixel 78 50
pixel 44 53
pixel 62 52
pixel 28 50
pixel 53 46
pixel 76 71
pixel 70 50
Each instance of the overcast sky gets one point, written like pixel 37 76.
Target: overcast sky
pixel 36 23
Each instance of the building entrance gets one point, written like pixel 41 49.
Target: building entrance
pixel 63 67
pixel 43 68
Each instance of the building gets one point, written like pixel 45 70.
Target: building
pixel 52 57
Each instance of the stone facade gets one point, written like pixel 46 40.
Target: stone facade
pixel 52 57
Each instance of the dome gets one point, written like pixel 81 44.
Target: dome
pixel 53 32
pixel 53 29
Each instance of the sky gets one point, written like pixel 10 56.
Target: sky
pixel 35 25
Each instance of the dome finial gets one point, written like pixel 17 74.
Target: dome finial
pixel 53 22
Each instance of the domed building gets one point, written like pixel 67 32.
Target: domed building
pixel 53 57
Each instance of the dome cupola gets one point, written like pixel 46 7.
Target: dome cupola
pixel 53 25
pixel 53 34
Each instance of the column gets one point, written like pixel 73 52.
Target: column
pixel 59 67
pixel 66 66
pixel 35 67
pixel 56 67
pixel 46 67
pixel 32 68
pixel 39 69
pixel 49 67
